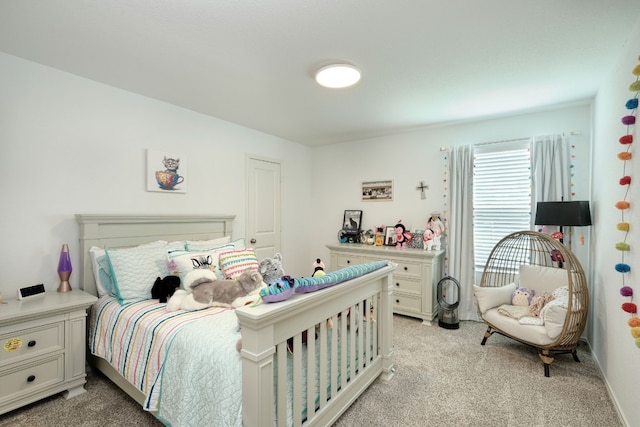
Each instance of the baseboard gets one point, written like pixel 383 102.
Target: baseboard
pixel 610 392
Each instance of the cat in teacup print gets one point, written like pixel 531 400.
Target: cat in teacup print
pixel 172 165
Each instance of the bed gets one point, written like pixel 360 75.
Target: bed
pixel 324 347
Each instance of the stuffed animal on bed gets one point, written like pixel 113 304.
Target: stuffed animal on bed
pixel 271 268
pixel 203 289
pixel 163 289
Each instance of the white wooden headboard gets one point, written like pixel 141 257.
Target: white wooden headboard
pixel 114 231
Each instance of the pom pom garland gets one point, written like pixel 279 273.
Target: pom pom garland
pixel 626 139
pixel 623 226
pixel 623 268
pixel 622 246
pixel 626 291
pixel 630 307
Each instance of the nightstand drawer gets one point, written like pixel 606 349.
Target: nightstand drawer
pixel 27 343
pixel 31 378
pixel 405 268
pixel 404 302
pixel 407 285
pixel 348 260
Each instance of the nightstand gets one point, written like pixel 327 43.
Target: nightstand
pixel 43 347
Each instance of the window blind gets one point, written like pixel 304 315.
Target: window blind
pixel 501 194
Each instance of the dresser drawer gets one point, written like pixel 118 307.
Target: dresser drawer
pixel 406 285
pixel 31 377
pixel 408 268
pixel 345 260
pixel 407 302
pixel 19 345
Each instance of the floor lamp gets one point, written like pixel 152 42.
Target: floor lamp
pixel 570 214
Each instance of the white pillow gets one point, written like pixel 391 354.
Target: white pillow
pixel 554 314
pixel 489 297
pixel 135 270
pixel 95 253
pixel 205 245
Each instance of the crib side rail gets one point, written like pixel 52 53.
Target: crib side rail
pixel 269 331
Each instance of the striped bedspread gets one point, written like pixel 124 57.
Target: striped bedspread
pixel 135 338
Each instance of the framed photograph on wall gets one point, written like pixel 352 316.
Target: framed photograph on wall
pixel 166 172
pixel 390 236
pixel 377 190
pixel 352 221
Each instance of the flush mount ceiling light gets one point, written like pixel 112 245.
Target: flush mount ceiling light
pixel 338 76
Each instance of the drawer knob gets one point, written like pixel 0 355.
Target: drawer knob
pixel 31 343
pixel 31 378
pixel 397 284
pixel 348 261
pixel 406 268
pixel 397 301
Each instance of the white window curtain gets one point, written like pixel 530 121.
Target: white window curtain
pixel 551 170
pixel 461 228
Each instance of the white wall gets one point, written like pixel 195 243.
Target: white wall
pixel 70 145
pixel 612 343
pixel 409 158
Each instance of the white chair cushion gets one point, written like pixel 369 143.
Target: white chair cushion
pixel 529 333
pixel 542 279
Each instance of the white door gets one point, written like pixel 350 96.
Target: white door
pixel 263 206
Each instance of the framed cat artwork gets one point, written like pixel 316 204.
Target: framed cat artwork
pixel 166 172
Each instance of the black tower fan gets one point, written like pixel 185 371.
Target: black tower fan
pixel 448 300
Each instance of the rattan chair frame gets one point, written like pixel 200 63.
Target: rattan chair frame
pixel 534 248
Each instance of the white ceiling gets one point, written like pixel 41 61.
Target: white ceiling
pixel 251 62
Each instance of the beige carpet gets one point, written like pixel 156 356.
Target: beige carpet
pixel 443 378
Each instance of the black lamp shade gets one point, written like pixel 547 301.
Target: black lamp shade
pixel 574 213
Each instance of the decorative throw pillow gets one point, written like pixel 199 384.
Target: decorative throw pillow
pixel 488 297
pixel 234 263
pixel 134 270
pixel 182 262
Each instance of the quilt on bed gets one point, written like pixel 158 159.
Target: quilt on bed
pixel 135 339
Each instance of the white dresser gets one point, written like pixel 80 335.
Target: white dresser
pixel 43 347
pixel 415 280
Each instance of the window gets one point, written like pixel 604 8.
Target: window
pixel 501 194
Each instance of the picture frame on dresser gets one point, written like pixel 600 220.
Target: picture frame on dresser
pixel 352 221
pixel 390 236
